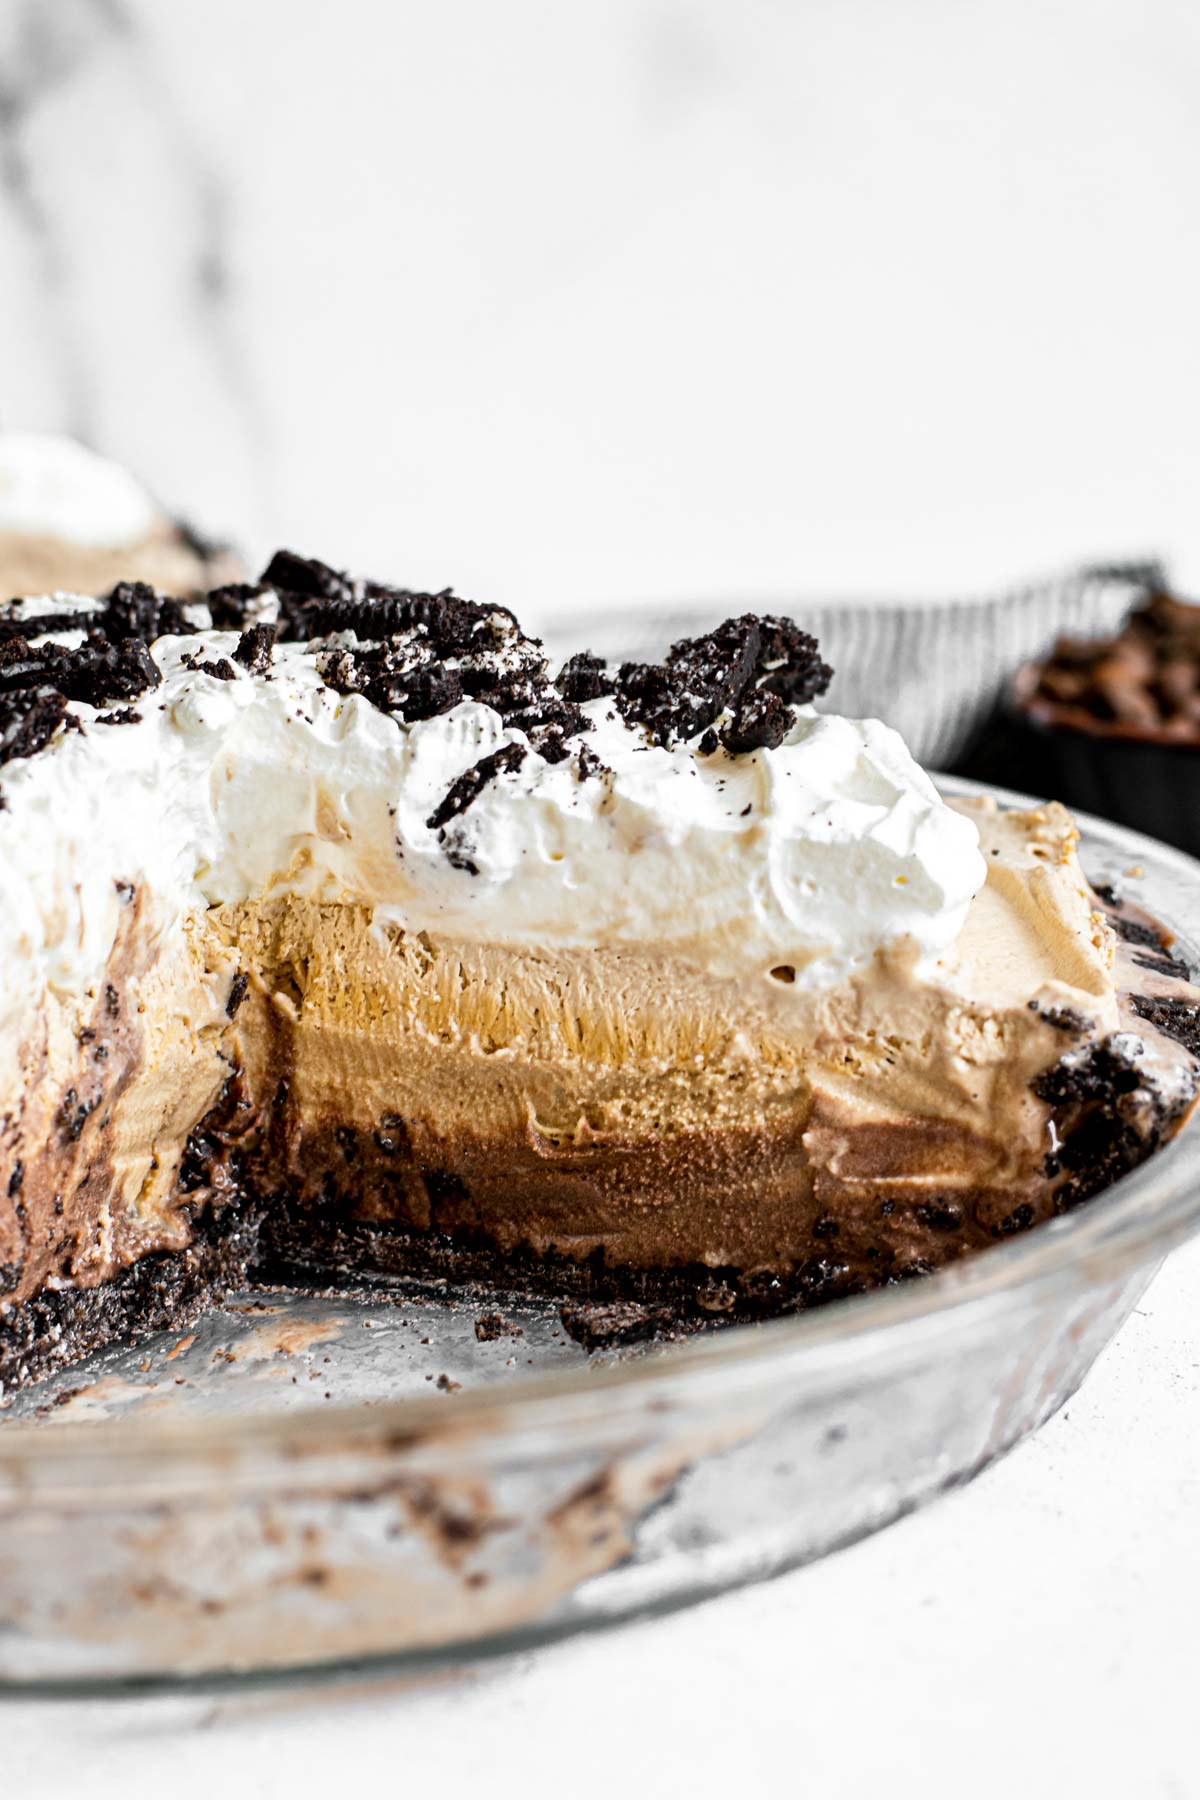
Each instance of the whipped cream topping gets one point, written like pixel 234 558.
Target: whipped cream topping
pixel 808 857
pixel 52 487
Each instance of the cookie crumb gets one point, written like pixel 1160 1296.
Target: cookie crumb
pixel 490 1326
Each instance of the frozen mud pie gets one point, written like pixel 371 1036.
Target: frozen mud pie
pixel 342 933
pixel 72 521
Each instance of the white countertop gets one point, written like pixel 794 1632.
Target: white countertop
pixel 1034 1634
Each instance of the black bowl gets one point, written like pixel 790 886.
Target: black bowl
pixel 1148 785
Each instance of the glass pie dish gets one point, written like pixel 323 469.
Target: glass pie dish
pixel 301 1483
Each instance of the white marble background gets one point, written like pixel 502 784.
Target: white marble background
pixel 620 300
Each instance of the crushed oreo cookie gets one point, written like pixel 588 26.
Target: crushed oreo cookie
pixel 584 677
pixel 231 608
pixel 134 610
pixel 1062 1018
pixel 316 600
pixel 415 655
pixel 754 670
pixel 255 647
pixel 1164 963
pixel 1178 1019
pixel 548 723
pixel 13 625
pixel 222 669
pixel 399 678
pixel 112 664
pixel 1098 1076
pixel 419 654
pixel 761 721
pixel 29 720
pixel 472 782
pixel 97 672
pixel 1108 1117
pixel 305 578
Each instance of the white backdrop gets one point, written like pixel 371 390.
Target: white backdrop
pixel 623 300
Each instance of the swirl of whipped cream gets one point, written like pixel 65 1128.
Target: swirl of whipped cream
pixel 52 487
